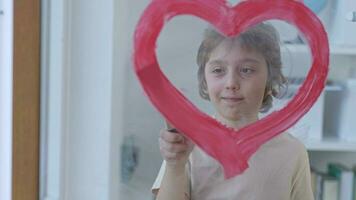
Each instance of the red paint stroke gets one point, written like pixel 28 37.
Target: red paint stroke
pixel 232 149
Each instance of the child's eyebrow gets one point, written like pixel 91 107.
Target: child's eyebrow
pixel 216 62
pixel 244 60
pixel 249 60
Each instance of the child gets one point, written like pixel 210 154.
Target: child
pixel 238 76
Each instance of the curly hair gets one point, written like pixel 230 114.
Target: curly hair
pixel 262 38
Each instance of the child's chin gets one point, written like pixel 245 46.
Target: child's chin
pixel 232 117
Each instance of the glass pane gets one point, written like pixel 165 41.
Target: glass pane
pixel 261 70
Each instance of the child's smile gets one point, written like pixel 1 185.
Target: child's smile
pixel 236 80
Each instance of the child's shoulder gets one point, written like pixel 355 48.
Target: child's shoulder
pixel 286 140
pixel 286 145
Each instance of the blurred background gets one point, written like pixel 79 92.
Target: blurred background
pixel 98 131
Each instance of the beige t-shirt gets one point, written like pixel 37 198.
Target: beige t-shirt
pixel 279 170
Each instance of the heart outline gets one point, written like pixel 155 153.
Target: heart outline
pixel 206 132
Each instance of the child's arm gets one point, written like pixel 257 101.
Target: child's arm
pixel 174 185
pixel 301 184
pixel 175 149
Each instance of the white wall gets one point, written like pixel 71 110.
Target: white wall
pixel 90 81
pixel 6 46
pixel 89 100
pixel 121 53
pixel 140 119
pixel 176 52
pixel 77 103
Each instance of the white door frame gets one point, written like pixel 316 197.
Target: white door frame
pixel 54 53
pixel 63 53
pixel 6 79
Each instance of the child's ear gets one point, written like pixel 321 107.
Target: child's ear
pixel 268 90
pixel 207 97
pixel 203 91
pixel 205 87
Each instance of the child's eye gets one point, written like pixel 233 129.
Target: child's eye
pixel 246 70
pixel 217 70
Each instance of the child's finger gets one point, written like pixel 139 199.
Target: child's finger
pixel 171 137
pixel 173 147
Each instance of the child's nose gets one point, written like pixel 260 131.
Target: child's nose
pixel 232 82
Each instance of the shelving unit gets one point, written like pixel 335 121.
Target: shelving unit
pixel 334 145
pixel 334 49
pixel 328 150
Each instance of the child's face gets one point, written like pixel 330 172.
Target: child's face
pixel 236 80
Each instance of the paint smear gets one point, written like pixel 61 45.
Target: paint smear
pixel 232 149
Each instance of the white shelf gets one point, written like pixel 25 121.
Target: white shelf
pixel 330 145
pixel 343 50
pixel 334 49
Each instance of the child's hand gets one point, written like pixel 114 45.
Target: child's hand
pixel 175 148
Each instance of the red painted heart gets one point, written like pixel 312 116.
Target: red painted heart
pixel 232 149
